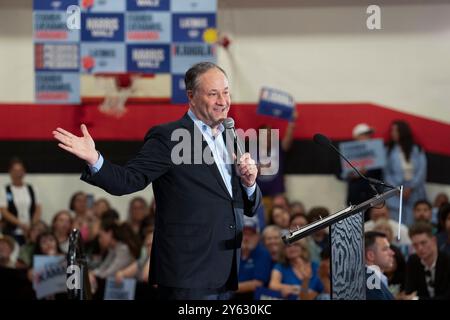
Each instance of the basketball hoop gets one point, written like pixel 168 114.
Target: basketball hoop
pixel 118 87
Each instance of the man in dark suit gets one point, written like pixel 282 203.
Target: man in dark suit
pixel 428 270
pixel 200 196
pixel 379 257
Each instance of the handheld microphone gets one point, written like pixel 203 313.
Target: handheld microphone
pixel 229 125
pixel 322 140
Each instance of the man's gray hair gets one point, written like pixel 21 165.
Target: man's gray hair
pixel 192 75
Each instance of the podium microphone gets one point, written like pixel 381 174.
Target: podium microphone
pixel 325 141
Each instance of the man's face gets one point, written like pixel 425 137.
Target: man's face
pixel 381 254
pixel 211 99
pixel 363 137
pixel 424 245
pixel 250 239
pixel 422 212
pixel 377 213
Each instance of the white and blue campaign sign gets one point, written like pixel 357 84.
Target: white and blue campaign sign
pixel 185 55
pixel 102 27
pixel 194 6
pixel 368 154
pixel 59 5
pixel 119 291
pixel 276 103
pixel 56 57
pixel 148 27
pixel 148 5
pixel 148 58
pixel 191 27
pixel 49 275
pixel 57 87
pixel 52 26
pixel 178 89
pixel 103 5
pixel 262 293
pixel 103 57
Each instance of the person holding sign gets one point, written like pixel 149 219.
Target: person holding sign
pixel 358 190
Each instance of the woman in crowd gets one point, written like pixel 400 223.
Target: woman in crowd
pixel 139 269
pixel 296 275
pixel 26 252
pixel 406 165
pixel 122 248
pixel 61 226
pixel 137 212
pixel 19 203
pixel 280 217
pixel 79 206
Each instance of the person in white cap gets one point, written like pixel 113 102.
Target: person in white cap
pixel 358 190
pixel 362 131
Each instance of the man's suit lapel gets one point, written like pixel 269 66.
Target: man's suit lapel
pixel 190 125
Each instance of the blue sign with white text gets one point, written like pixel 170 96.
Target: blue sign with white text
pixel 276 103
pixel 58 5
pixel 148 58
pixel 148 27
pixel 102 27
pixel 178 89
pixel 194 6
pixel 185 55
pixel 103 57
pixel 148 5
pixel 103 5
pixel 191 27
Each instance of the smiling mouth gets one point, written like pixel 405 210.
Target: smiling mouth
pixel 221 109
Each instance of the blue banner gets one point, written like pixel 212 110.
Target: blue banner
pixel 148 58
pixel 57 5
pixel 262 293
pixel 192 27
pixel 194 6
pixel 103 57
pixel 102 27
pixel 119 291
pixel 120 37
pixel 57 87
pixel 148 5
pixel 56 57
pixel 184 55
pixel 52 26
pixel 148 27
pixel 103 5
pixel 276 103
pixel 178 89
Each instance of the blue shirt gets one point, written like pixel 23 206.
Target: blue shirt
pixel 257 266
pixel 288 276
pixel 219 151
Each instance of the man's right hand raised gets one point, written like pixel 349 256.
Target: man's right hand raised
pixel 83 147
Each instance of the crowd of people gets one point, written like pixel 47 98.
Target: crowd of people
pixel 415 267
